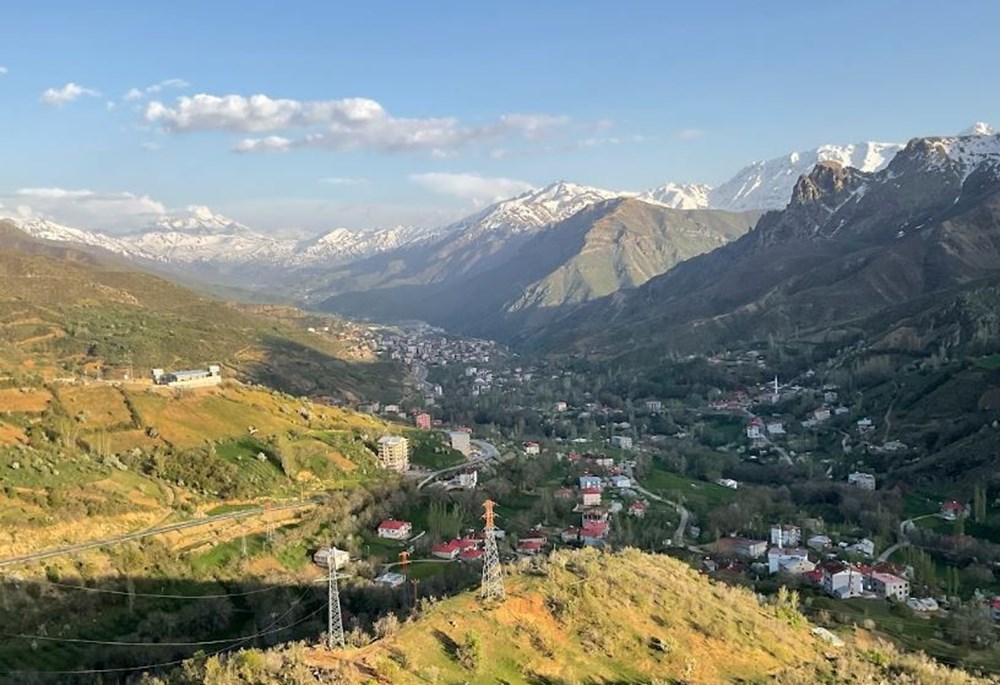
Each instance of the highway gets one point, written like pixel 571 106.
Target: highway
pixel 93 544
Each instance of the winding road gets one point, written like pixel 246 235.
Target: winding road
pixel 678 538
pixel 93 544
pixel 487 452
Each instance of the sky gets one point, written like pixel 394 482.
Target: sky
pixel 307 116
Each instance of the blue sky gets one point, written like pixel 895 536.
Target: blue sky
pixel 376 113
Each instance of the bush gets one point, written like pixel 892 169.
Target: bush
pixel 470 652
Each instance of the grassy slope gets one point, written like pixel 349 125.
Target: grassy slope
pixel 64 311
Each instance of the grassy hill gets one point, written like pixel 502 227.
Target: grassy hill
pixel 588 617
pixel 66 312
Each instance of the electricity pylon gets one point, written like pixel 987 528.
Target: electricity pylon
pixel 492 587
pixel 335 623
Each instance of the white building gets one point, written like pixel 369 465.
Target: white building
pixel 818 542
pixel 189 378
pixel 590 482
pixel 865 481
pixel 654 405
pixel 842 581
pixel 461 441
pixel 532 448
pixel 621 482
pixel 787 559
pixel 776 428
pixel 394 452
pixel 340 557
pixel 728 483
pixel 622 442
pixel 785 535
pixel 892 586
pixel 392 529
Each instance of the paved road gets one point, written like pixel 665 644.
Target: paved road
pixel 93 544
pixel 904 528
pixel 678 538
pixel 487 452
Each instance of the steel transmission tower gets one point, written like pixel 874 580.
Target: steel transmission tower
pixel 335 623
pixel 492 587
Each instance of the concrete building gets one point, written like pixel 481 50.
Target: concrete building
pixel 787 559
pixel 422 421
pixel 888 585
pixel 622 442
pixel 189 378
pixel 865 481
pixel 461 441
pixel 532 448
pixel 394 452
pixel 842 581
pixel 392 529
pixel 323 556
pixel 783 535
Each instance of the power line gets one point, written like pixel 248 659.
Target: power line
pixel 84 588
pixel 175 662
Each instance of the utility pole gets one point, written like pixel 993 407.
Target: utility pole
pixel 492 586
pixel 335 623
pixel 243 545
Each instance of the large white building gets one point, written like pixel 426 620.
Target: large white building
pixel 865 481
pixel 461 441
pixel 394 452
pixel 189 378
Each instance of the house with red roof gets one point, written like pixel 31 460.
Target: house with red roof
pixel 530 547
pixel 591 497
pixel 447 550
pixel 593 533
pixel 952 510
pixel 471 554
pixel 637 509
pixel 392 529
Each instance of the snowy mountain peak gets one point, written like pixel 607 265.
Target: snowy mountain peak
pixel 980 128
pixel 196 219
pixel 679 195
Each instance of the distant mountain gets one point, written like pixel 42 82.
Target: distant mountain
pixel 605 247
pixel 857 252
pixel 679 195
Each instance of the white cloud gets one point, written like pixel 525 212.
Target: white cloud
pixel 478 189
pixel 150 146
pixel 89 209
pixel 139 93
pixel 3 70
pixel 343 180
pixel 346 124
pixel 57 97
pixel 689 133
pixel 268 144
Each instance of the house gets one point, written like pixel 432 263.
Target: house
pixel 570 535
pixel 995 608
pixel 587 481
pixel 783 535
pixel 391 579
pixel 534 535
pixel 787 559
pixel 818 542
pixel 728 483
pixel 591 497
pixel 604 462
pixel 864 547
pixel 593 533
pixel 467 481
pixel 561 406
pixel 622 442
pixel 776 428
pixel 821 414
pixel 891 586
pixel 952 510
pixel 532 448
pixel 654 405
pixel 742 547
pixel 637 509
pixel 621 482
pixel 865 425
pixel 865 481
pixel 447 550
pixel 530 547
pixel 422 421
pixel 394 453
pixel 471 554
pixel 926 604
pixel 395 530
pixel 189 378
pixel 594 514
pixel 842 581
pixel 755 429
pixel 461 441
pixel 323 556
pixel 390 409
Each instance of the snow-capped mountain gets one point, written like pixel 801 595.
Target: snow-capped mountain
pixel 679 195
pixel 534 208
pixel 980 128
pixel 345 244
pixel 50 230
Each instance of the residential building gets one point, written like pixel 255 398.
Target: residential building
pixel 864 547
pixel 788 559
pixel 891 586
pixel 728 483
pixel 323 556
pixel 530 547
pixel 741 547
pixel 842 581
pixel 471 554
pixel 821 414
pixel 783 535
pixel 654 405
pixel 189 378
pixel 591 497
pixel 467 481
pixel 952 510
pixel 818 542
pixel 927 604
pixel 394 452
pixel 532 448
pixel 995 608
pixel 422 421
pixel 865 481
pixel 593 533
pixel 392 529
pixel 588 481
pixel 391 579
pixel 755 429
pixel 622 442
pixel 447 550
pixel 621 482
pixel 561 406
pixel 865 425
pixel 461 441
pixel 637 509
pixel 775 428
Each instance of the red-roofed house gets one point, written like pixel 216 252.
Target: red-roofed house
pixel 447 550
pixel 887 585
pixel 395 530
pixel 591 497
pixel 952 510
pixel 593 533
pixel 535 536
pixel 471 554
pixel 570 535
pixel 995 608
pixel 637 509
pixel 531 547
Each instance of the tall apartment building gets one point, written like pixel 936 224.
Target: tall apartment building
pixel 394 453
pixel 461 441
